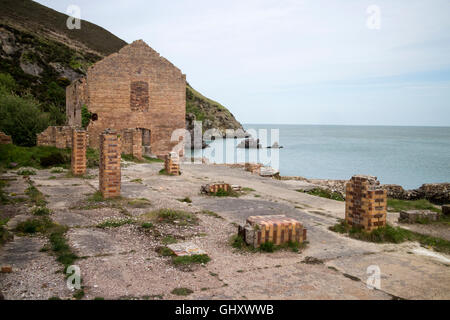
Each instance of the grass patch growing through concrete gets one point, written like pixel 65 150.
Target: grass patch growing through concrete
pixel 114 223
pixel 397 205
pixel 171 216
pixel 147 225
pixel 41 211
pixel 390 234
pixel 193 259
pixel 56 236
pixel 163 172
pixel 145 159
pixel 324 193
pixel 4 234
pixel 224 193
pixel 169 240
pixel 35 195
pixel 239 243
pixel 185 199
pixel 139 203
pixel 211 213
pixel 182 291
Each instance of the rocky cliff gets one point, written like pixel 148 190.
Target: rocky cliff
pixel 44 56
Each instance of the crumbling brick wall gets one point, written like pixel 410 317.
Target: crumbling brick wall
pixel 365 203
pixel 56 136
pixel 109 167
pixel 4 138
pixel 133 88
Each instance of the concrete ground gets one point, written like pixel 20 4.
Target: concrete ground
pixel 123 262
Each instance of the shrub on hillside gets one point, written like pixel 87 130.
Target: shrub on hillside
pixel 55 158
pixel 22 119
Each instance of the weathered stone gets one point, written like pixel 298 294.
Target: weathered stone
pixel 412 216
pixel 31 68
pixel 185 249
pixel 268 171
pixel 65 72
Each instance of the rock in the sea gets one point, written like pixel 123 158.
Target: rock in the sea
pixel 275 145
pixel 249 143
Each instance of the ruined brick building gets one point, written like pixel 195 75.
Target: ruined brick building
pixel 134 91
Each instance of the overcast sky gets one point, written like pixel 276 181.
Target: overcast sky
pixel 298 62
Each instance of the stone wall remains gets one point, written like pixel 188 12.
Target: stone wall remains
pixel 56 136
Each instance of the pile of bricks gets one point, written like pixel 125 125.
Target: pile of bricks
pixel 214 187
pixel 172 164
pixel 78 163
pixel 277 229
pixel 109 168
pixel 132 142
pixel 365 203
pixel 5 139
pixel 254 168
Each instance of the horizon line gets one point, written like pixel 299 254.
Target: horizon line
pixel 349 125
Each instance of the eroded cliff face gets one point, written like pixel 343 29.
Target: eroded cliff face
pixel 211 113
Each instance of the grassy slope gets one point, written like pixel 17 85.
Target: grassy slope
pixel 34 16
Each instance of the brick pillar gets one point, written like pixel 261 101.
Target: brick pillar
pixel 109 173
pixel 78 163
pixel 137 144
pixel 365 203
pixel 172 164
